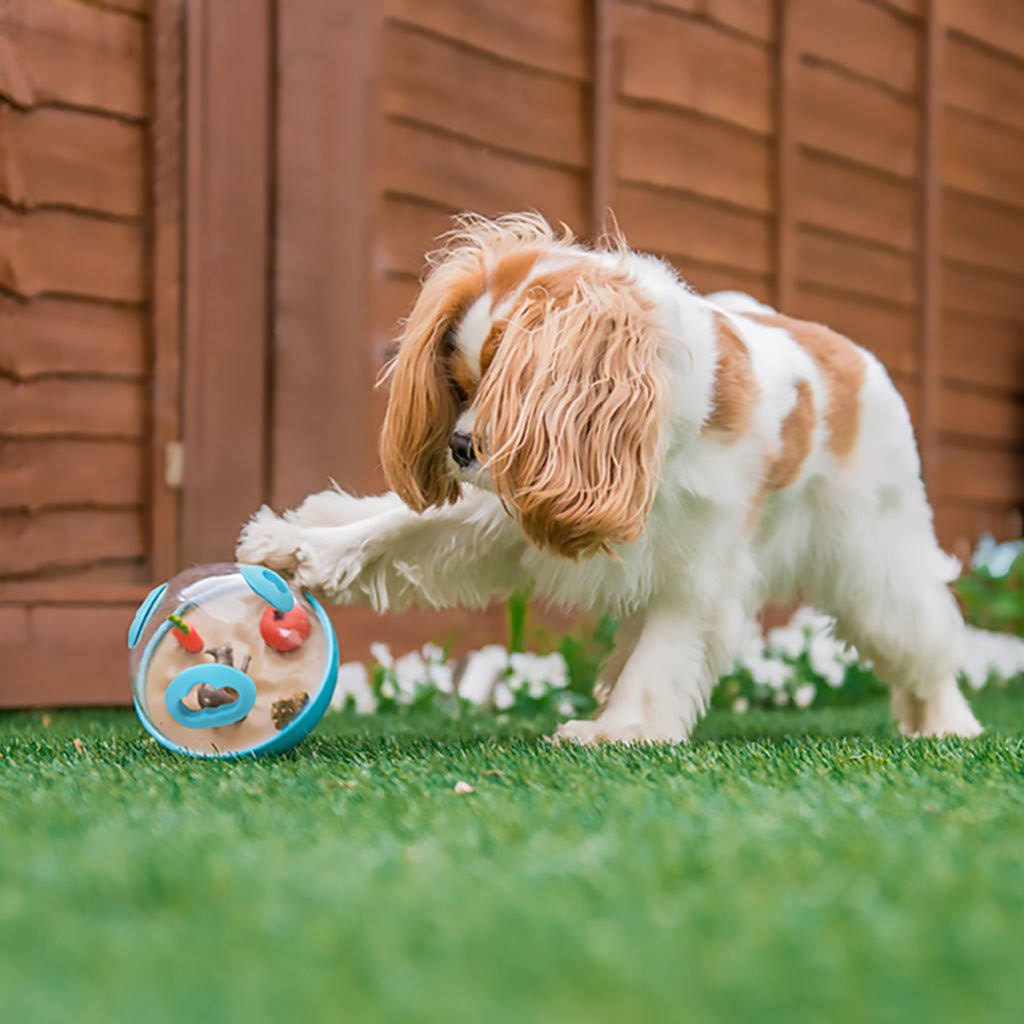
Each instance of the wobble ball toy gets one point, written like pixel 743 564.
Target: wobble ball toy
pixel 231 659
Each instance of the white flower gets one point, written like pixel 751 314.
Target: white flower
pixel 432 654
pixel 503 697
pixel 825 655
pixel 986 654
pixel 538 673
pixel 443 678
pixel 565 708
pixel 803 696
pixel 410 675
pixel 387 690
pixel 382 654
pixel 483 669
pixel 809 618
pixel 354 682
pixel 787 640
pixel 741 705
pixel 780 698
pixel 770 672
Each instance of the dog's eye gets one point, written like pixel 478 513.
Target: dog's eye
pixel 448 341
pixel 460 393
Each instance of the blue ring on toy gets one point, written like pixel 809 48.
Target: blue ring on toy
pixel 217 676
pixel 296 730
pixel 268 585
pixel 143 612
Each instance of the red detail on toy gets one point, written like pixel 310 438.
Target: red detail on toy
pixel 285 631
pixel 186 635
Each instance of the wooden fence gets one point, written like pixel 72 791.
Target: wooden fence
pixel 213 212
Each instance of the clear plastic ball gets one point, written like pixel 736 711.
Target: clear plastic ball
pixel 229 659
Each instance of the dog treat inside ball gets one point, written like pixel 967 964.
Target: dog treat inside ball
pixel 230 659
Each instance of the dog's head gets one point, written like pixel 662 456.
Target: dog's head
pixel 530 365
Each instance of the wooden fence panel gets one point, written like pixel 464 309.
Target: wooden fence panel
pixel 217 248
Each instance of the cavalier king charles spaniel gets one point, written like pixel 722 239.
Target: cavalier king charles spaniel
pixel 576 421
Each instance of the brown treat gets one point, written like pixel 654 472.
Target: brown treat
pixel 222 655
pixel 283 711
pixel 211 697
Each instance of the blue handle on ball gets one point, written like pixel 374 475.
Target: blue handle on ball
pixel 217 676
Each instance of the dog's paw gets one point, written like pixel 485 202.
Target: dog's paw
pixel 332 561
pixel 590 733
pixel 946 713
pixel 268 540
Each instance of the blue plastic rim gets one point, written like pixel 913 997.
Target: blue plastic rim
pixel 143 612
pixel 267 584
pixel 294 732
pixel 217 676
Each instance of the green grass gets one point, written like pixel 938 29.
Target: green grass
pixel 784 866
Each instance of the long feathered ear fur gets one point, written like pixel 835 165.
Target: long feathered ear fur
pixel 569 413
pixel 422 408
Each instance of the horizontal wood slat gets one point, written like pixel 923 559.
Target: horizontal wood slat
pixel 995 22
pixel 63 157
pixel 853 200
pixel 696 66
pixel 965 413
pixel 406 232
pixel 55 251
pixel 862 37
pixel 982 158
pixel 35 473
pixel 72 53
pixel 62 539
pixel 684 225
pixel 433 81
pixel 854 266
pixel 983 82
pixel 972 474
pixel 466 175
pixel 53 336
pixel 752 17
pixel 979 232
pixel 87 408
pixel 64 655
pixel 543 34
pixel 706 277
pixel 852 119
pixel 985 352
pixel 971 290
pixel 677 149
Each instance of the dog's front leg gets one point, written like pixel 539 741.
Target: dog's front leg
pixel 661 690
pixel 385 555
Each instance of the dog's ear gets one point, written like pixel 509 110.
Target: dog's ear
pixel 422 407
pixel 569 413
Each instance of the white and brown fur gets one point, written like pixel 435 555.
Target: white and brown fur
pixel 673 459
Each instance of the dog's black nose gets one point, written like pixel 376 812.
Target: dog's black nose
pixel 462 450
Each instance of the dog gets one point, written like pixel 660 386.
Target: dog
pixel 577 421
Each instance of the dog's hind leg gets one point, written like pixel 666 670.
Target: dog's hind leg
pixel 891 601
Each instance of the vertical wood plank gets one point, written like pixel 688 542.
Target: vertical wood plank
pixel 323 361
pixel 930 255
pixel 166 207
pixel 228 85
pixel 787 70
pixel 601 114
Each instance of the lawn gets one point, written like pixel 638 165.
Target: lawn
pixel 786 865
